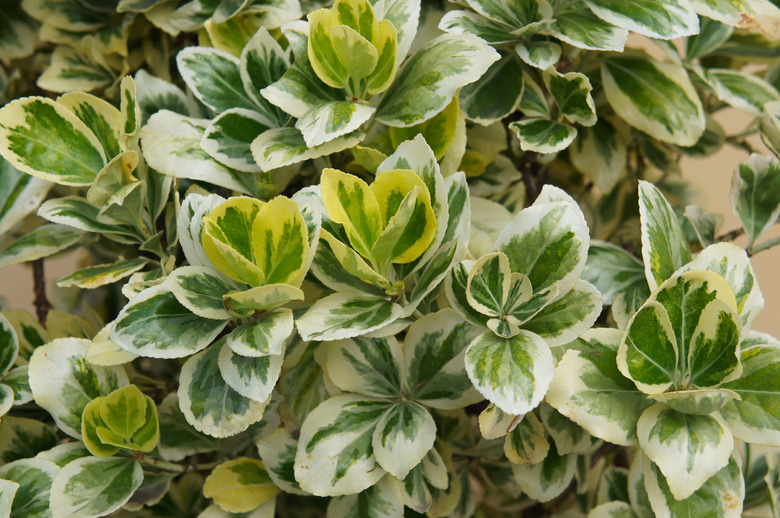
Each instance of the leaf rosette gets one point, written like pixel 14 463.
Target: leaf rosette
pixel 350 49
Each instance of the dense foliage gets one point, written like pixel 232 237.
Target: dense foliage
pixel 386 259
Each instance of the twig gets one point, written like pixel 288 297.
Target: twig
pixel 41 303
pixel 730 236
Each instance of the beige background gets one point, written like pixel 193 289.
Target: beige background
pixel 711 175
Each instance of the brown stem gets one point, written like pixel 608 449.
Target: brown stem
pixel 41 303
pixel 730 236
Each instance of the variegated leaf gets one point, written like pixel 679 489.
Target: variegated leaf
pixel 329 121
pixel 616 509
pixel 588 389
pixel 402 437
pixel 688 449
pixel 568 317
pixel 404 15
pixel 543 135
pixel 527 443
pixel 611 269
pixel 636 86
pixel 755 194
pixel 209 403
pixel 664 248
pixel 543 231
pixel 99 116
pixel 279 147
pixel 34 478
pixel 167 130
pixel 63 382
pixel 460 22
pixel 431 77
pixel 277 451
pixel 178 439
pixel 494 95
pixel 378 501
pixel 600 152
pixel 155 94
pixel 662 19
pixel 571 92
pixel 344 315
pixel 721 495
pixel 73 154
pixel 335 454
pixel 745 14
pixel 369 366
pixel 44 241
pixel 213 76
pixel 549 478
pixel 755 418
pixel 262 62
pixel 576 25
pixel 9 345
pixel 228 138
pixel 23 438
pixel 263 336
pixel 100 275
pixel 252 377
pixel 741 90
pixel 156 325
pixel 199 289
pixel 94 486
pixel 22 194
pixel 434 352
pixel 239 485
pixel 20 32
pixel 513 373
pixel 566 434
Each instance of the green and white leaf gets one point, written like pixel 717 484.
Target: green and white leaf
pixel 20 32
pixel 662 19
pixel 434 350
pixel 228 138
pixel 494 95
pixel 167 130
pixel 571 92
pixel 755 417
pixel 755 194
pixel 344 315
pixel 45 139
pixel 615 509
pixel 664 249
pixel 513 373
pixel 155 94
pixel 742 90
pixel 382 500
pixel 34 478
pixel 9 345
pixel 402 437
pixel 576 25
pixel 155 324
pixel 18 380
pixel 721 495
pixel 588 389
pixel 95 276
pixel 549 478
pixel 745 14
pixel 405 16
pixel 100 117
pixel 543 135
pixel 688 449
pixel 464 22
pixel 252 377
pixel 567 318
pixel 429 79
pixel 94 486
pixel 335 453
pixel 567 435
pixel 73 70
pixel 22 194
pixel 368 366
pixel 213 76
pixel 23 438
pixel 200 290
pixel 547 230
pixel 262 336
pixel 277 452
pixel 527 442
pixel 44 241
pixel 637 86
pixel 261 63
pixel 178 439
pixel 279 147
pixel 209 404
pixel 63 382
pixel 328 121
pixel 539 54
pixel 611 269
pixel 600 152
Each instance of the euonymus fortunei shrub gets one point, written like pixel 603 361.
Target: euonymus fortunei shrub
pixel 387 259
